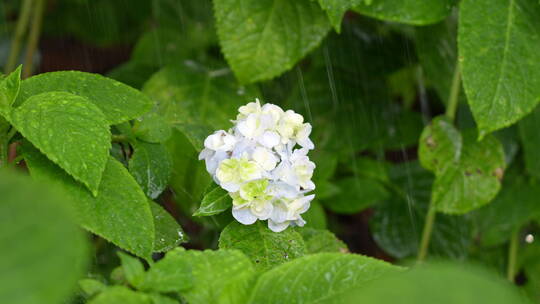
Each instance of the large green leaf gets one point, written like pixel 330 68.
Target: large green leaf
pixel 223 276
pixel 173 273
pixel 321 240
pixel 152 128
pixel 265 248
pixel 529 260
pixel 335 9
pixel 9 89
pixel 440 145
pixel 514 206
pixel 215 201
pixel 406 11
pixel 120 213
pixel 318 278
pixel 168 234
pixel 397 223
pixel 151 166
pixel 70 131
pixel 43 251
pixel 190 178
pixel 356 194
pixel 500 62
pixel 397 226
pixel 438 283
pixel 121 294
pixel 474 180
pixel 263 38
pixel 132 268
pixel 118 101
pixel 530 141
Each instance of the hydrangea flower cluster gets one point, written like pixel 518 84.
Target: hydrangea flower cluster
pixel 262 162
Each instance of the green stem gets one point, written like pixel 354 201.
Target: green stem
pixel 4 152
pixel 426 233
pixel 453 99
pixel 512 256
pixel 20 29
pixel 451 108
pixel 33 38
pixel 119 138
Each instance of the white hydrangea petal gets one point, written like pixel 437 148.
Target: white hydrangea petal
pixel 244 216
pixel 231 187
pixel 269 139
pixel 206 153
pixel 300 222
pixel 265 158
pixel 277 227
pixel 275 111
pixel 262 209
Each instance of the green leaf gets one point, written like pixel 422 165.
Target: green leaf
pixel 168 234
pixel 406 11
pixel 223 276
pixel 133 269
pixel 120 213
pixel 530 263
pixel 70 131
pixel 118 101
pixel 321 240
pixel 335 9
pixel 173 273
pixel 160 299
pixel 9 89
pixel 443 283
pixel 396 226
pixel 152 128
pixel 91 287
pixel 530 141
pixel 151 166
pixel 440 145
pixel 356 195
pixel 406 211
pixel 265 248
pixel 318 278
pixel 132 74
pixel 41 245
pixel 215 201
pixel 474 180
pixel 161 46
pixel 514 206
pixel 263 38
pixel 189 95
pixel 370 168
pixel 121 294
pixel 190 178
pixel 500 62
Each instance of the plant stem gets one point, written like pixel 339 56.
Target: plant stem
pixel 451 108
pixel 453 99
pixel 4 150
pixel 33 38
pixel 119 138
pixel 426 233
pixel 20 29
pixel 512 256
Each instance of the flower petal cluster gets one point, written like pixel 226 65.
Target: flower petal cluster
pixel 262 162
